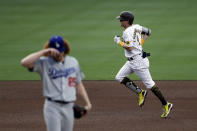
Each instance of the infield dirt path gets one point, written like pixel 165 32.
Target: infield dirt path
pixel 114 107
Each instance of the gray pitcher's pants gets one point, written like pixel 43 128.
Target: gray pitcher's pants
pixel 58 117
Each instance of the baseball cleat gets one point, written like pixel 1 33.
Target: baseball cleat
pixel 142 97
pixel 166 110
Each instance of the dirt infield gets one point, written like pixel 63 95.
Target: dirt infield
pixel 114 107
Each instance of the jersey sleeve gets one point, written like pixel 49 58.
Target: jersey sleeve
pixel 80 75
pixel 37 66
pixel 139 28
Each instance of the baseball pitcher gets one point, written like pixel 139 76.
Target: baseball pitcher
pixel 132 40
pixel 62 80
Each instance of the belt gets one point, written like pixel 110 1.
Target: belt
pixel 144 55
pixel 57 101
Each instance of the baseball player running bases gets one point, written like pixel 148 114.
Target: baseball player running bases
pixel 62 80
pixel 132 40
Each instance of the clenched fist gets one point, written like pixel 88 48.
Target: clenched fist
pixel 117 39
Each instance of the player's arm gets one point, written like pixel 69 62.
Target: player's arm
pixel 30 60
pixel 146 32
pixel 81 91
pixel 128 48
pixel 121 43
pixel 124 45
pixel 143 39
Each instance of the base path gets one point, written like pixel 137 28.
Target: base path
pixel 115 107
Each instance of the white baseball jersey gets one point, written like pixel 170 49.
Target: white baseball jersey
pixel 59 78
pixel 132 40
pixel 139 65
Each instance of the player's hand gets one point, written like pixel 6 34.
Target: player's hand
pixel 88 107
pixel 51 52
pixel 117 39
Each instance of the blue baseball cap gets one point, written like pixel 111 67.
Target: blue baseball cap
pixel 57 42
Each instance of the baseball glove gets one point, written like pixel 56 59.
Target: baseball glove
pixel 79 111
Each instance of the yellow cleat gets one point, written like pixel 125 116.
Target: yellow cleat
pixel 166 110
pixel 142 97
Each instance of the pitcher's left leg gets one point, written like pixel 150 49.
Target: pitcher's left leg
pixel 67 122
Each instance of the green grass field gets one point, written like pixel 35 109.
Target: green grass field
pixel 90 25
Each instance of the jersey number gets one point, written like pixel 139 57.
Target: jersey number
pixel 137 38
pixel 72 82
